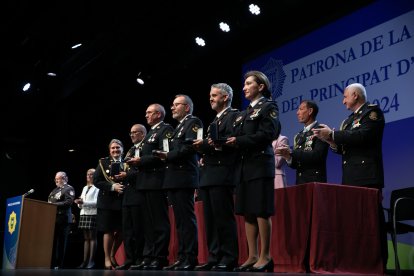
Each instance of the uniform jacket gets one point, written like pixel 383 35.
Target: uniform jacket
pixel 130 195
pixel 89 201
pixel 255 129
pixel 107 199
pixel 359 141
pixel 63 197
pixel 182 160
pixel 219 165
pixel 309 157
pixel 151 168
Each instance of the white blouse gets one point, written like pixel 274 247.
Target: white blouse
pixel 89 201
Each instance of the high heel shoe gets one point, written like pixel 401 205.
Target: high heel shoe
pixel 264 268
pixel 243 268
pixel 83 265
pixel 113 262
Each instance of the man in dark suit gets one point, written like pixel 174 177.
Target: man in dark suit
pixel 359 141
pixel 132 211
pixel 217 183
pixel 63 196
pixel 149 183
pixel 181 179
pixel 309 153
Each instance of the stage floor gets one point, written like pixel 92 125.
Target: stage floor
pixel 99 272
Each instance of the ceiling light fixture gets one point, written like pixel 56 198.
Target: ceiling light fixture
pixel 224 27
pixel 254 9
pixel 200 41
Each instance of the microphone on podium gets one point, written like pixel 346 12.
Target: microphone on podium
pixel 31 191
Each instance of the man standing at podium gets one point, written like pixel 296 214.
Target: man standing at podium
pixel 62 196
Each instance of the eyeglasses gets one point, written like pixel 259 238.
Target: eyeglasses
pixel 135 132
pixel 177 104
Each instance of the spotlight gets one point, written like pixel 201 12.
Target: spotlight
pixel 224 27
pixel 254 9
pixel 200 41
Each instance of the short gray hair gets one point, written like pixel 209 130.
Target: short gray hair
pixel 225 90
pixel 360 89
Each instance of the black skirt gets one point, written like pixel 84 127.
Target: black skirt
pixel 109 220
pixel 256 197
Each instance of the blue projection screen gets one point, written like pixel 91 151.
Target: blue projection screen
pixel 373 46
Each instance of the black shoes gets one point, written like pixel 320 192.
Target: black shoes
pixel 156 264
pixel 173 266
pixel 223 267
pixel 205 267
pixel 264 268
pixel 141 265
pixel 125 266
pixel 185 266
pixel 243 268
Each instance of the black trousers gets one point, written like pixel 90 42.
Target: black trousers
pixel 182 201
pixel 62 228
pixel 157 224
pixel 221 228
pixel 133 233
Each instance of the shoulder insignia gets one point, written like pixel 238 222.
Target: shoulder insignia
pixel 373 115
pixel 195 128
pixel 273 114
pixel 71 193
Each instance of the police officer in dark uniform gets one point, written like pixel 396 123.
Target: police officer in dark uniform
pixel 309 153
pixel 150 184
pixel 217 183
pixel 254 131
pixel 62 196
pixel 132 210
pixel 359 141
pixel 181 179
pixel 108 179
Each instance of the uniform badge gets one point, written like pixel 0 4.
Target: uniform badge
pixel 273 114
pixel 57 195
pixel 373 115
pixel 195 128
pixel 168 135
pixel 255 113
pixel 71 193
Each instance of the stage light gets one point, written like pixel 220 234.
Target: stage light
pixel 76 46
pixel 200 41
pixel 140 81
pixel 254 9
pixel 224 27
pixel 26 87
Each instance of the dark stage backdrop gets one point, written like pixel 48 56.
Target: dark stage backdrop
pixel 373 46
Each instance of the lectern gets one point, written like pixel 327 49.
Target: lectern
pixel 28 233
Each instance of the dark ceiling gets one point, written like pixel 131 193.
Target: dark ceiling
pixel 95 97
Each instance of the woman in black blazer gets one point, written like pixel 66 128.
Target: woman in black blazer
pixel 109 204
pixel 254 130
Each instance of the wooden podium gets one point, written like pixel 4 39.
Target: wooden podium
pixel 32 244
